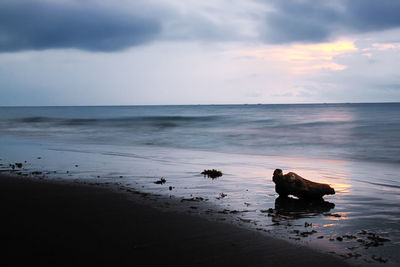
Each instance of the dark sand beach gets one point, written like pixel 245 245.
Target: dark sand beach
pixel 69 224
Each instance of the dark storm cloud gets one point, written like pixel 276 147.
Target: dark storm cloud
pixel 38 25
pixel 99 25
pixel 316 20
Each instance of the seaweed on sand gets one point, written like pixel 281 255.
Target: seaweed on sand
pixel 212 173
pixel 161 181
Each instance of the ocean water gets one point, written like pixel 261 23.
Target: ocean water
pixel 353 147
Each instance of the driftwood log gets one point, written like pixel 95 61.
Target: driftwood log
pixel 293 184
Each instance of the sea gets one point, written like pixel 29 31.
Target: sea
pixel 353 147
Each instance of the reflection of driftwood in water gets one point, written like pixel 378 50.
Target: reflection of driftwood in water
pixel 293 184
pixel 301 207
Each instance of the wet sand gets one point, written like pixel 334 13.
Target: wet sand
pixel 64 224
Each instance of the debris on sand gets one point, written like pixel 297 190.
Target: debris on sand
pixel 306 224
pixel 212 173
pixel 332 214
pixel 19 165
pixel 161 181
pixel 234 211
pixel 379 259
pixel 192 199
pixel 305 234
pixel 377 239
pixel 270 210
pixel 350 236
pixel 225 211
pixel 221 196
pixel 373 239
pixel 353 255
pixel 302 234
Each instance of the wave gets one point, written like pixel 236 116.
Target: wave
pixel 159 121
pixel 356 132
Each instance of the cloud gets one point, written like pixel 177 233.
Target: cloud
pixel 107 25
pixel 85 25
pixel 212 21
pixel 305 58
pixel 386 46
pixel 317 21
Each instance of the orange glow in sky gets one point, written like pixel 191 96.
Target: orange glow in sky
pixel 306 58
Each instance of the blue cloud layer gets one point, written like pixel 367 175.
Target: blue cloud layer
pixel 43 25
pixel 90 25
pixel 315 20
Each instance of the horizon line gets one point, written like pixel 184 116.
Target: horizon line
pixel 236 104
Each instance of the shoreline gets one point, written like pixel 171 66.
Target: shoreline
pixel 65 223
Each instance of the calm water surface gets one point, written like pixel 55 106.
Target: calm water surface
pixel 353 147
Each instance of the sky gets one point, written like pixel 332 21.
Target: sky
pixel 167 52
